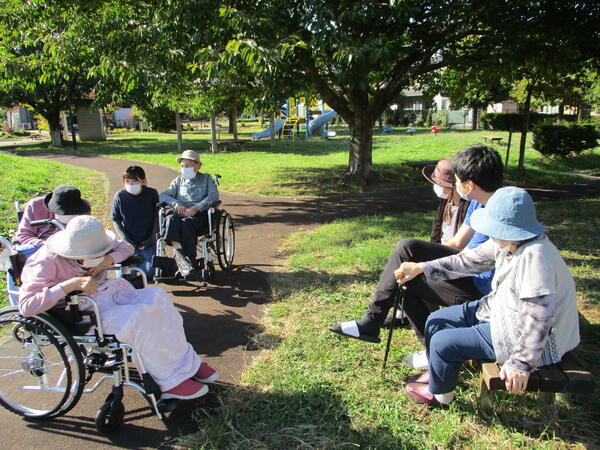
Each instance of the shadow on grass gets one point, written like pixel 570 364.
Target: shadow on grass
pixel 299 417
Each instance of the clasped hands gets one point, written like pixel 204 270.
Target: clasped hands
pixel 185 212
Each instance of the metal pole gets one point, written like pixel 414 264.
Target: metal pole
pixel 397 301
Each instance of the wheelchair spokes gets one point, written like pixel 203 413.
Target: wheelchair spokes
pixel 39 372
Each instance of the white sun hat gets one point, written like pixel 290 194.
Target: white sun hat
pixel 83 238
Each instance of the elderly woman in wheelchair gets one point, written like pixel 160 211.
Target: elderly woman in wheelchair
pixel 188 209
pixel 133 323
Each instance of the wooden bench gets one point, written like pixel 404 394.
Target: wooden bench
pixel 566 376
pixel 418 165
pixel 234 144
pixel 492 139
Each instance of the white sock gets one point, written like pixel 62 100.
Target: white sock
pixel 444 398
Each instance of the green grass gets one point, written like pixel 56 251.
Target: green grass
pixel 25 178
pixel 315 166
pixel 313 389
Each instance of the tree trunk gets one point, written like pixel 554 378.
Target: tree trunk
pixel 179 135
pixel 272 129
pixel 233 118
pixel 213 132
pixel 526 114
pixel 361 151
pixel 474 124
pixel 561 111
pixel 53 118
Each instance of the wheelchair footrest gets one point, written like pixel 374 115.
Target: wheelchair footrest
pixel 164 263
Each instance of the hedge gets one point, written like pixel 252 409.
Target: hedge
pixel 564 140
pixel 514 121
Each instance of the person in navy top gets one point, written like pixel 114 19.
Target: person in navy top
pixel 478 171
pixel 135 215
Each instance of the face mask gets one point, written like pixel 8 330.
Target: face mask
pixel 133 189
pixel 188 173
pixel 92 262
pixel 439 191
pixel 64 218
pixel 463 196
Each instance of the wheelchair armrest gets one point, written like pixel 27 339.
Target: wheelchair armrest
pixel 132 261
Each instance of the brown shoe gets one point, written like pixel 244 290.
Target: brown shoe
pixel 420 393
pixel 422 378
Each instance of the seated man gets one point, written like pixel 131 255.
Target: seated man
pixel 478 171
pixel 75 259
pixel 190 195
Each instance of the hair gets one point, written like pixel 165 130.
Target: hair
pixel 480 164
pixel 134 173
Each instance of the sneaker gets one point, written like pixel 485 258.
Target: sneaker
pixel 206 374
pixel 186 390
pixel 183 263
pixel 417 360
pixel 422 378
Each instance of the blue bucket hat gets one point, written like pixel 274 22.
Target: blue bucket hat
pixel 508 215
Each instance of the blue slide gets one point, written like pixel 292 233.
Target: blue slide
pixel 316 127
pixel 278 125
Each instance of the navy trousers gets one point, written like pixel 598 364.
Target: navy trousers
pixel 185 230
pixel 454 335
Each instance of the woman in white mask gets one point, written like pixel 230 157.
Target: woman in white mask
pixel 190 195
pixel 134 215
pixel 76 258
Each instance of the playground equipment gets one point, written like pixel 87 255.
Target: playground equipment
pixel 298 112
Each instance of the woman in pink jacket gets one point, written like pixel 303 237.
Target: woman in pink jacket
pixel 75 259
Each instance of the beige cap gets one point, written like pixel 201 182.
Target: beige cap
pixel 83 237
pixel 189 154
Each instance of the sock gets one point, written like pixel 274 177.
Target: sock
pixel 444 398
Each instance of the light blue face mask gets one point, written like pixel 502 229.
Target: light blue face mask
pixel 463 196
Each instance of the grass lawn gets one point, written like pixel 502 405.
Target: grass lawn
pixel 313 167
pixel 313 389
pixel 25 178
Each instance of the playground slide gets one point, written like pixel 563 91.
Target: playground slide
pixel 267 133
pixel 316 127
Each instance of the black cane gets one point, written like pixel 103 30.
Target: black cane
pixel 399 293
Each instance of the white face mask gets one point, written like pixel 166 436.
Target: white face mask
pixel 133 189
pixel 439 191
pixel 64 218
pixel 92 262
pixel 188 173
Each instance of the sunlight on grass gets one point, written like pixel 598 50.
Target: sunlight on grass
pixel 315 166
pixel 315 389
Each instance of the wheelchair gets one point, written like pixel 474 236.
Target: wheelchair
pixel 47 360
pixel 217 245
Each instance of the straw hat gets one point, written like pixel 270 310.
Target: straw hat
pixel 66 200
pixel 440 174
pixel 509 215
pixel 83 238
pixel 189 154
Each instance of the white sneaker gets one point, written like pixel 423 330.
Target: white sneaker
pixel 418 360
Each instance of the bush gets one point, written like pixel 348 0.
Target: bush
pixel 441 118
pixel 514 121
pixel 563 140
pixel 160 118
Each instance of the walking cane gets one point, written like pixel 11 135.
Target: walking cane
pixel 397 300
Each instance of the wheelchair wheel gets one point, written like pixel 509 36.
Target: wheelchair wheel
pixel 110 416
pixel 41 368
pixel 225 238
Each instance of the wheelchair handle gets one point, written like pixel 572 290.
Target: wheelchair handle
pixel 42 222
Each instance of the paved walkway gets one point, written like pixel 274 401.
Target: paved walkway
pixel 219 319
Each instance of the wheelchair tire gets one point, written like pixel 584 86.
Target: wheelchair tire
pixel 42 366
pixel 225 239
pixel 110 416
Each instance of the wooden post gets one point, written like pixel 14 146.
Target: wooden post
pixel 179 135
pixel 508 149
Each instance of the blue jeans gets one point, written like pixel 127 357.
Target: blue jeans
pixel 454 335
pixel 146 266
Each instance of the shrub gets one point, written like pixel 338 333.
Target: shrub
pixel 429 118
pixel 563 140
pixel 514 121
pixel 441 118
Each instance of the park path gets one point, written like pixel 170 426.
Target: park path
pixel 220 319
